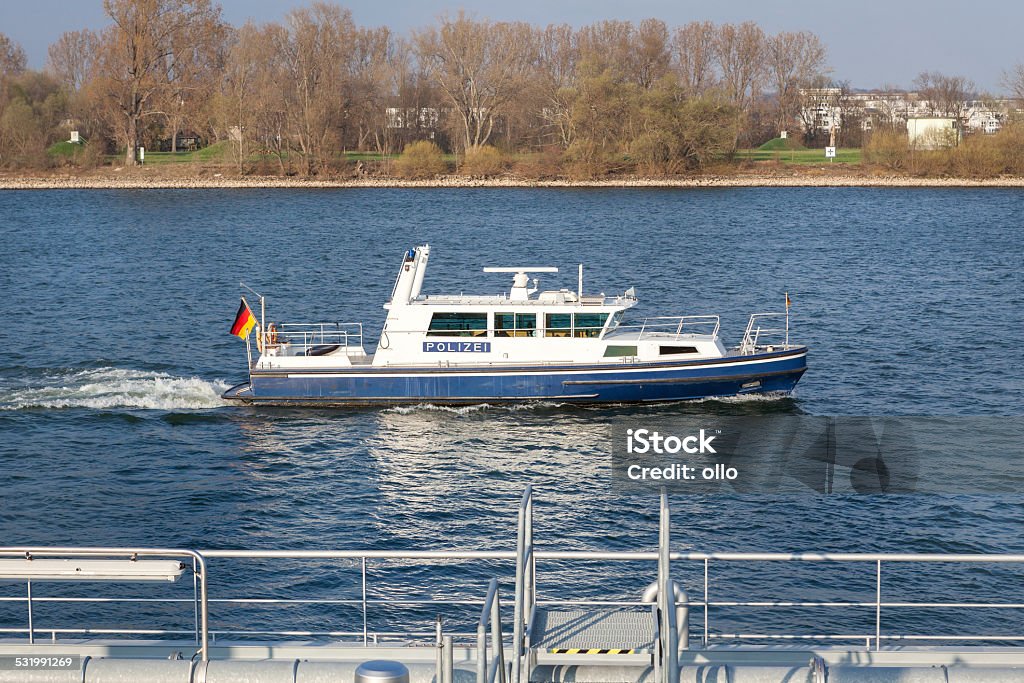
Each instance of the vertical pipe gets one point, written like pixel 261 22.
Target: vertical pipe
pixel 497 644
pixel 580 290
pixel 204 608
pixel 438 659
pixel 658 673
pixel 666 596
pixel 520 590
pixel 449 660
pixel 195 598
pixel 531 579
pixel 31 629
pixel 706 610
pixel 787 320
pixel 365 628
pixel 878 605
pixel 263 320
pixel 481 654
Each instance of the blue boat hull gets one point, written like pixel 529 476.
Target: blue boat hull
pixel 633 383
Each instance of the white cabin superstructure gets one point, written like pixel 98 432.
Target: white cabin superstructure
pixel 528 326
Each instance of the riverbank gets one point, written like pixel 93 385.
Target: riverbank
pixel 141 179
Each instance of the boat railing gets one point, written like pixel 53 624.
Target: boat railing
pixel 864 607
pixel 675 326
pixel 490 624
pixel 766 331
pixel 301 338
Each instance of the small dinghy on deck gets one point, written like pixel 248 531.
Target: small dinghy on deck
pixel 524 345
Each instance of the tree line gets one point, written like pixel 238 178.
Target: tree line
pixel 299 92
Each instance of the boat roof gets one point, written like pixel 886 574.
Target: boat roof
pixel 620 301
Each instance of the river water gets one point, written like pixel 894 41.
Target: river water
pixel 115 307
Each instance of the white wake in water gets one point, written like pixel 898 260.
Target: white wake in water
pixel 474 408
pixel 106 388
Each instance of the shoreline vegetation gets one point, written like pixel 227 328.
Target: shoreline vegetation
pixel 169 94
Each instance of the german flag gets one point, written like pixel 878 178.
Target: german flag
pixel 244 321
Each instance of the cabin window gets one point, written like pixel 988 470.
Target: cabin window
pixel 675 350
pixel 578 325
pixel 589 324
pixel 458 325
pixel 558 325
pixel 619 351
pixel 515 324
pixel 616 320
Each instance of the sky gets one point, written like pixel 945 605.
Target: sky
pixel 871 43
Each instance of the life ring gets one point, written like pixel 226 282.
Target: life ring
pixel 271 334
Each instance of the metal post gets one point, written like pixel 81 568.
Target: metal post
pixel 481 653
pixel 496 640
pixel 449 660
pixel 365 628
pixel 878 605
pixel 531 579
pixel 787 320
pixel 438 658
pixel 195 584
pixel 706 612
pixel 656 613
pixel 581 285
pixel 521 561
pixel 204 606
pixel 31 629
pixel 263 319
pixel 666 596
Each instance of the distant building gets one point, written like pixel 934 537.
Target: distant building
pixel 934 132
pixel 820 109
pixel 413 118
pixel 987 117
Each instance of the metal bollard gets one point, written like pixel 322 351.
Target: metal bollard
pixel 382 671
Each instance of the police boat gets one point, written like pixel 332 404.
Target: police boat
pixel 525 345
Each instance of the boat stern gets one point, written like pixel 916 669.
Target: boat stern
pixel 240 393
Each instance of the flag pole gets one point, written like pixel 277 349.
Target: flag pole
pixel 263 312
pixel 787 320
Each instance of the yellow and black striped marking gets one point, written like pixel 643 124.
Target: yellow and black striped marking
pixel 589 651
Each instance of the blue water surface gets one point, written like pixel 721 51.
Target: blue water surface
pixel 114 316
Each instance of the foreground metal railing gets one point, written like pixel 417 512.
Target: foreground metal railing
pixel 490 622
pixel 524 563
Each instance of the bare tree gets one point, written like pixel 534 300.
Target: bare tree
pixel 480 66
pixel 237 103
pixel 72 57
pixel 640 55
pixel 191 77
pixel 652 53
pixel 315 46
pixel 12 57
pixel 693 49
pixel 944 95
pixel 144 52
pixel 891 109
pixel 370 71
pixel 417 111
pixel 793 60
pixel 739 52
pixel 555 82
pixel 1013 80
